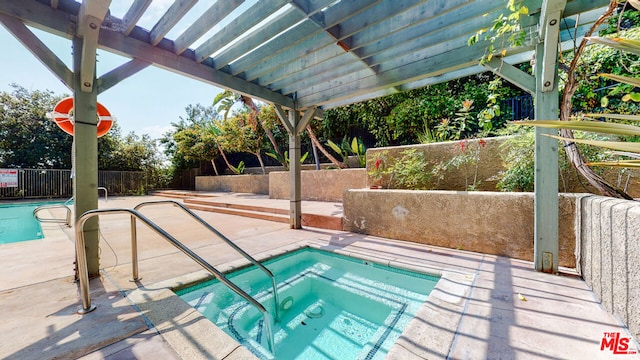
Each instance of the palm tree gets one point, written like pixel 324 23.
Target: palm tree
pixel 225 101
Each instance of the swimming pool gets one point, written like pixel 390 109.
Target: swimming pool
pixel 17 222
pixel 331 306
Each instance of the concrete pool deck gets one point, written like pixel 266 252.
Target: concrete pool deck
pixel 486 306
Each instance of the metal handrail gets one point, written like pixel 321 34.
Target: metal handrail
pixel 53 220
pixel 83 274
pixel 106 193
pixel 221 236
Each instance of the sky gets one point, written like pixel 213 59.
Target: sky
pixel 145 103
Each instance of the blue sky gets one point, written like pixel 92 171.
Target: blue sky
pixel 145 103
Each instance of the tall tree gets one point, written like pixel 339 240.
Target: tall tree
pixel 239 134
pixel 28 138
pixel 227 99
pixel 197 116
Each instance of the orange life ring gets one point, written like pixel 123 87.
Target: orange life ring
pixel 64 119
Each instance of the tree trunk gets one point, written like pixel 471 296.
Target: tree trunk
pixel 213 163
pixel 249 102
pixel 264 170
pixel 314 139
pixel 224 156
pixel 565 114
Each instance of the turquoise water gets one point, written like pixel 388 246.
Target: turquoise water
pixel 17 222
pixel 331 306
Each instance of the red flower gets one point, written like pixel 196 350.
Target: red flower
pixel 378 163
pixel 482 142
pixel 462 145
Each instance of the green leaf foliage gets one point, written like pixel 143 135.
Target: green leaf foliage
pixel 410 171
pixel 28 138
pixel 405 118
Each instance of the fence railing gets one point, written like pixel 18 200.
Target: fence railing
pixel 56 183
pixel 521 107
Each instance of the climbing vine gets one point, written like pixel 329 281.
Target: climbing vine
pixel 505 30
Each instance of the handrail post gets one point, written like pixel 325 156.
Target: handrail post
pixel 134 250
pixel 276 301
pixel 53 206
pixel 83 273
pixel 106 194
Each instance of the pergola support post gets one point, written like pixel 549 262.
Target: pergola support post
pixel 295 125
pixel 546 165
pixel 295 172
pixel 85 154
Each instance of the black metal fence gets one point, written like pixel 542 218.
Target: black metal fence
pixel 55 183
pixel 520 107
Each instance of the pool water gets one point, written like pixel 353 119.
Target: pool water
pixel 18 224
pixel 331 306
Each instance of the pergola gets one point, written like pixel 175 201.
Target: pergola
pixel 305 56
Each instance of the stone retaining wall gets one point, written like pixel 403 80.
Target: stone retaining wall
pixel 256 184
pixel 319 185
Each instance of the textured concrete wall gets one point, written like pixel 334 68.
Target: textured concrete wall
pixel 609 233
pixel 486 222
pixel 319 185
pixel 487 156
pixel 490 164
pixel 256 184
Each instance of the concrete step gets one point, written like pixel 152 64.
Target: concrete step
pixel 220 204
pixel 264 213
pixel 270 216
pixel 180 194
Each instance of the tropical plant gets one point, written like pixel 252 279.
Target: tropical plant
pixel 239 134
pixel 346 149
pixel 238 169
pixel 225 101
pixel 286 160
pixel 412 116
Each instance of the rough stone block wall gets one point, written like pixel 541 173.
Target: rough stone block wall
pixel 319 185
pixel 486 222
pixel 609 234
pixel 255 184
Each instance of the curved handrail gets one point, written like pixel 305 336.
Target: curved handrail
pixel 221 236
pixel 67 220
pixel 106 193
pixel 83 274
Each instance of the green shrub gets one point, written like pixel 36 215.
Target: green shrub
pixel 518 156
pixel 410 171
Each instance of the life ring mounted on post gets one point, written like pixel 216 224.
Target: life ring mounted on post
pixel 63 116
